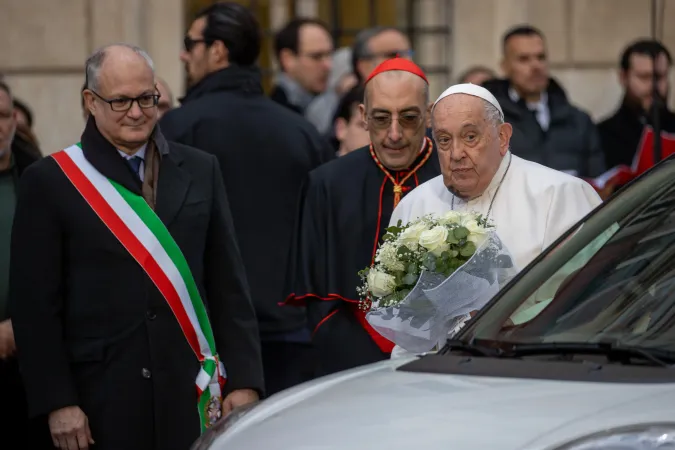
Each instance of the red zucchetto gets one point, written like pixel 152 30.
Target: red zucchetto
pixel 398 64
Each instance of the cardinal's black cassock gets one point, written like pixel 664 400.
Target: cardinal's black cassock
pixel 346 210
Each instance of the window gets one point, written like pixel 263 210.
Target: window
pixel 347 17
pixel 619 287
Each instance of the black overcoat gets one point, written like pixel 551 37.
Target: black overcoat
pixel 91 328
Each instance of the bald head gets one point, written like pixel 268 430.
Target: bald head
pixel 121 95
pixel 116 58
pixel 394 82
pixel 395 112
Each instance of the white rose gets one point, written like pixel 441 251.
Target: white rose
pixel 452 217
pixel 387 255
pixel 435 239
pixel 477 233
pixel 380 284
pixel 410 236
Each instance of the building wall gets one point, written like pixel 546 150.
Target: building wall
pixel 585 39
pixel 45 43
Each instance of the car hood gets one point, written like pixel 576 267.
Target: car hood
pixel 377 407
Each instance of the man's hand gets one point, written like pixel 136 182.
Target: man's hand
pixel 70 429
pixel 7 344
pixel 238 398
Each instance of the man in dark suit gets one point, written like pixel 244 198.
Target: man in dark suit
pixel 16 154
pixel 104 353
pixel 265 152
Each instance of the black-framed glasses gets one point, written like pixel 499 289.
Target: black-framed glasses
pixel 124 104
pixel 382 121
pixel 189 43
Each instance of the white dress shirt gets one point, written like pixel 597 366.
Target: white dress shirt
pixel 543 113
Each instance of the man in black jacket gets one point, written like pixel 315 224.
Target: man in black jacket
pixel 547 129
pixel 126 283
pixel 16 155
pixel 265 152
pixel 621 133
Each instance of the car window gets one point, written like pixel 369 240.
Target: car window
pixel 619 287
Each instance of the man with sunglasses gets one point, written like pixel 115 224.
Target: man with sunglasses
pixel 265 152
pixel 121 244
pixel 346 210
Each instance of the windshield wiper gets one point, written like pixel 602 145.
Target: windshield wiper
pixel 613 352
pixel 476 350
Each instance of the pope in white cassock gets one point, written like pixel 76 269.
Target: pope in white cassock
pixel 529 204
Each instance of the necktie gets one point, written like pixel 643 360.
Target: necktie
pixel 135 164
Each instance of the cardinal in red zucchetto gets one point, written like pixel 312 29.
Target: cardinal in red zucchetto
pixel 346 210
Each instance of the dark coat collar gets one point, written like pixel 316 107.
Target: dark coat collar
pixel 106 159
pixel 559 105
pixel 233 78
pixel 173 182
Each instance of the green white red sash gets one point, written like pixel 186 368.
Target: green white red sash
pixel 144 236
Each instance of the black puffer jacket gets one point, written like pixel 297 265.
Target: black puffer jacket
pixel 571 142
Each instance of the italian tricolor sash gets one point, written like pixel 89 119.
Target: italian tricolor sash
pixel 141 232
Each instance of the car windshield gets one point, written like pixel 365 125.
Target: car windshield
pixel 611 280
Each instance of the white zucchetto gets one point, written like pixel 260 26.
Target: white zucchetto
pixel 470 89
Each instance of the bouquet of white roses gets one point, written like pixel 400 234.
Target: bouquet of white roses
pixel 429 274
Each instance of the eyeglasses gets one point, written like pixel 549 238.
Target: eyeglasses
pixel 144 101
pixel 190 43
pixel 408 120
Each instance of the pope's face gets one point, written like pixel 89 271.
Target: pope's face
pixel 470 147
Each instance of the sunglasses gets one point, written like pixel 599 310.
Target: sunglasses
pixel 189 43
pixel 408 120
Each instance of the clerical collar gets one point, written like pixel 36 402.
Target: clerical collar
pixel 140 153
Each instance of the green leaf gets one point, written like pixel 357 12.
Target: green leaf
pixel 451 238
pixel 429 262
pixel 393 230
pixel 410 279
pixel 388 237
pixel 403 251
pixel 468 249
pixel 412 268
pixel 461 233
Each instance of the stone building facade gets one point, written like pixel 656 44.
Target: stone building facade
pixel 45 42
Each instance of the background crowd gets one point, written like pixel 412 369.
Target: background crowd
pixel 311 117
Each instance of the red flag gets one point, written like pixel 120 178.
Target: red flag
pixel 644 158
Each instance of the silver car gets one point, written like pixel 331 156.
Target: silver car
pixel 576 353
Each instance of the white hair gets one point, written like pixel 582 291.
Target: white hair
pixel 492 114
pixel 95 61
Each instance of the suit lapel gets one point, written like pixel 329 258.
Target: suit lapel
pixel 173 184
pixel 106 159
